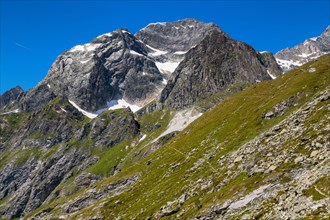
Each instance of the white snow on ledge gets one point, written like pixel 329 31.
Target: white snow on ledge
pixel 106 34
pixel 136 53
pixel 14 111
pixel 287 63
pixel 142 138
pixel 86 113
pixel 313 38
pixel 121 103
pixel 112 105
pixel 271 75
pixel 85 47
pixel 156 51
pixel 167 67
pixel 180 52
pixel 160 23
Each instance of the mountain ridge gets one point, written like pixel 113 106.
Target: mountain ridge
pixel 118 67
pixel 311 48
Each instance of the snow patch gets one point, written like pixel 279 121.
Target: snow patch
pixel 86 113
pixel 304 55
pixel 125 31
pixel 13 111
pixel 121 103
pixel 77 48
pixel 48 85
pixel 191 26
pixel 167 66
pixel 271 75
pixel 164 81
pixel 135 53
pixel 248 198
pixel 142 138
pixel 85 47
pixel 160 23
pixel 180 52
pixel 107 34
pixel 112 105
pixel 156 51
pixel 63 110
pixel 264 52
pixel 180 121
pixel 313 38
pixel 286 64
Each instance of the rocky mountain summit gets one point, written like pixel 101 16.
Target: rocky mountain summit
pixel 176 36
pixel 211 66
pixel 298 55
pixel 111 66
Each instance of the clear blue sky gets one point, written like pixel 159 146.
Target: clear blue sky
pixel 34 33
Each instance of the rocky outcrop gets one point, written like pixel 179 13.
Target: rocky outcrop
pixel 273 69
pixel 10 98
pixel 45 151
pixel 110 128
pixel 218 61
pixel 312 48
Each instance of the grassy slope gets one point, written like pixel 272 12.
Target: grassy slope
pixel 219 131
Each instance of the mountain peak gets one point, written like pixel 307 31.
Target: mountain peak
pixel 327 31
pixel 175 36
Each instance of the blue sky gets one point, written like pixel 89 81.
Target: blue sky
pixel 34 33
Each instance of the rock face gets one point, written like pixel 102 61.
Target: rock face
pixel 170 41
pixel 218 61
pixel 32 175
pixel 112 66
pixel 176 36
pixel 10 97
pixel 302 53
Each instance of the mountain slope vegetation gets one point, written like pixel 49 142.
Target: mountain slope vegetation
pixel 262 153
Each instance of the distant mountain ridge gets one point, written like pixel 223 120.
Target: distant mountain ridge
pixel 300 54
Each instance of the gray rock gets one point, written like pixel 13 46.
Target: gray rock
pixel 280 108
pixel 10 98
pixel 175 36
pixel 208 68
